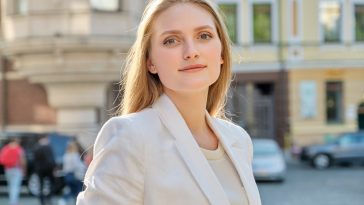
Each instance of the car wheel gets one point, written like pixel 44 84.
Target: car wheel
pixel 321 161
pixel 34 185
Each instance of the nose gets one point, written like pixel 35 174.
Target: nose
pixel 191 52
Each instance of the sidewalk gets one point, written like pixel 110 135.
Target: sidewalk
pixel 25 200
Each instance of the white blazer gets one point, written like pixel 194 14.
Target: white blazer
pixel 151 158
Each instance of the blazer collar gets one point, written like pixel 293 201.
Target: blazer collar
pixel 190 151
pixel 237 153
pixel 196 161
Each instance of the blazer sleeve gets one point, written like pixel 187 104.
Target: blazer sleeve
pixel 250 147
pixel 116 174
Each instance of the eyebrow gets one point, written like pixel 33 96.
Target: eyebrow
pixel 178 31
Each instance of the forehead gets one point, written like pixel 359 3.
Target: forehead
pixel 184 17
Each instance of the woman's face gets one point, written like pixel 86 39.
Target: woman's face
pixel 185 49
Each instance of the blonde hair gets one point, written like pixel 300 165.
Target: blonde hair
pixel 72 147
pixel 142 89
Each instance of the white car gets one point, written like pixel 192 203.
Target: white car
pixel 268 161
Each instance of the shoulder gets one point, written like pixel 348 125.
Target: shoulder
pixel 6 147
pixel 231 127
pixel 121 144
pixel 130 129
pixel 236 133
pixel 19 149
pixel 146 117
pixel 37 148
pixel 134 123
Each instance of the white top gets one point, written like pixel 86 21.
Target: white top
pixel 72 163
pixel 227 175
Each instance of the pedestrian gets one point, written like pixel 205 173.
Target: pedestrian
pixel 171 144
pixel 12 157
pixel 44 167
pixel 74 170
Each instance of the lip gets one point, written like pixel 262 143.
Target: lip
pixel 194 67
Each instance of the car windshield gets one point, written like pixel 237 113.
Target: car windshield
pixel 265 148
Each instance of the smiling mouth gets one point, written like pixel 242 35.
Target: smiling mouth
pixel 193 67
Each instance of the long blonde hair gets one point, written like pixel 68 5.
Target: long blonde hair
pixel 142 89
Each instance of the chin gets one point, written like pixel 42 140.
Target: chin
pixel 196 87
pixel 190 85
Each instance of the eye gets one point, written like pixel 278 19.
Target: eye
pixel 205 36
pixel 170 41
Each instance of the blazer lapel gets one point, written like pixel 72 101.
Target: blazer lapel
pixel 190 151
pixel 236 152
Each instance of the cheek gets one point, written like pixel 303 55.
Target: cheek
pixel 165 61
pixel 163 58
pixel 214 51
pixel 214 57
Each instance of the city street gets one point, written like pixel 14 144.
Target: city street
pixel 307 186
pixel 303 186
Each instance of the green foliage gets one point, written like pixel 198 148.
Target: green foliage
pixel 229 12
pixel 262 24
pixel 359 22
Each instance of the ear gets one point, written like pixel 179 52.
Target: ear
pixel 151 67
pixel 221 60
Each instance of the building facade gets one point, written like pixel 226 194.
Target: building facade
pixel 298 65
pixel 311 55
pixel 61 61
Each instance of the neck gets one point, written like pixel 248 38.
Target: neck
pixel 13 144
pixel 192 108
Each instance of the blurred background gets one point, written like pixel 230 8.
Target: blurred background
pixel 298 81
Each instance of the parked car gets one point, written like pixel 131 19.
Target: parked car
pixel 28 141
pixel 268 161
pixel 347 148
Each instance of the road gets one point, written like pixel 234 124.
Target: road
pixel 303 186
pixel 307 186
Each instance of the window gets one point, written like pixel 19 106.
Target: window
pixel 294 18
pixel 230 16
pixel 334 105
pixel 262 23
pixel 359 22
pixel 18 7
pixel 308 99
pixel 106 5
pixel 294 22
pixel 347 139
pixel 330 21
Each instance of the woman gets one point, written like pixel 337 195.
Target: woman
pixel 168 147
pixel 74 170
